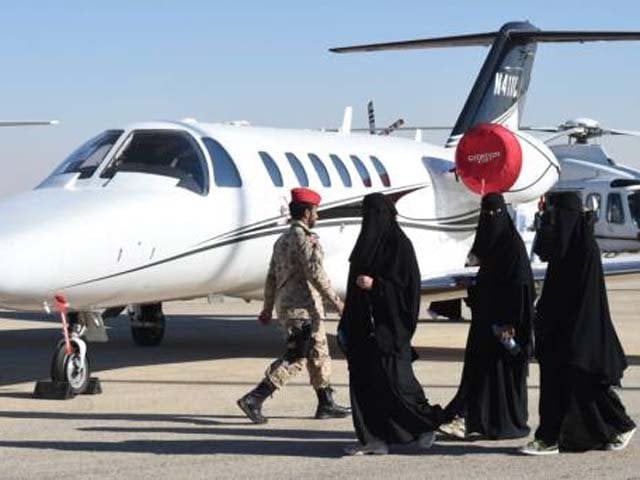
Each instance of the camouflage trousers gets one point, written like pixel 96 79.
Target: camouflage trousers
pixel 306 345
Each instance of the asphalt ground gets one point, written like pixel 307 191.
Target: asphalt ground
pixel 170 412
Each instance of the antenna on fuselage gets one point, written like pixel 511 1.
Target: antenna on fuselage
pixel 347 120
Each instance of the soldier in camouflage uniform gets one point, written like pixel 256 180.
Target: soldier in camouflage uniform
pixel 297 285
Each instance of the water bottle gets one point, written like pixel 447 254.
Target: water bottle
pixel 507 342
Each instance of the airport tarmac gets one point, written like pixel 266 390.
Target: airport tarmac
pixel 170 412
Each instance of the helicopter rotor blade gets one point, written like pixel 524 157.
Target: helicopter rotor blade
pixel 569 132
pixel 372 117
pixel 617 131
pixel 394 126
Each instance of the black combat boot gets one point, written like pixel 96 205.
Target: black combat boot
pixel 327 408
pixel 251 403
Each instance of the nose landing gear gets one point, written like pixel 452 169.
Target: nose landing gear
pixel 73 368
pixel 70 365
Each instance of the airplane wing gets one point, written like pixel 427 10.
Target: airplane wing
pixel 454 284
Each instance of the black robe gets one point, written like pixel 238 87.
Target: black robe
pixel 577 347
pixel 376 327
pixel 492 396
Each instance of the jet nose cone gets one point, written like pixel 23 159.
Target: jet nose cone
pixel 27 261
pixel 19 279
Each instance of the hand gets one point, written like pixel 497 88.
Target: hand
pixel 472 260
pixel 340 306
pixel 364 282
pixel 265 317
pixel 505 332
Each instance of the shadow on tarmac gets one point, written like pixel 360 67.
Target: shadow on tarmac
pixel 25 355
pixel 293 443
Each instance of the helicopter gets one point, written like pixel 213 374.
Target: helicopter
pixel 610 190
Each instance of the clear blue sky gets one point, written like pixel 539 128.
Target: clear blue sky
pixel 95 65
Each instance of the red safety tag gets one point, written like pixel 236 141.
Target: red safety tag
pixel 61 306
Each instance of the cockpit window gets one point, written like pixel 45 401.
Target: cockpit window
pixel 615 211
pixel 88 157
pixel 225 171
pixel 634 207
pixel 169 153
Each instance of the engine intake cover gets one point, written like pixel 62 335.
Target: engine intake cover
pixel 488 158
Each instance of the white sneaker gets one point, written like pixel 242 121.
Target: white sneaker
pixel 621 441
pixel 426 440
pixel 456 428
pixel 373 448
pixel 538 447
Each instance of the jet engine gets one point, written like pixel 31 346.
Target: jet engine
pixel 491 158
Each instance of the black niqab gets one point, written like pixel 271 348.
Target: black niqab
pixel 498 245
pixel 492 396
pixel 573 311
pixel 378 219
pixel 577 347
pixel 376 327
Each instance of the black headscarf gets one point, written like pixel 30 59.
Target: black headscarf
pixel 567 213
pixel 574 310
pixel 389 311
pixel 378 220
pixel 498 245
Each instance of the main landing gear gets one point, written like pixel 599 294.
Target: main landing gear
pixel 147 324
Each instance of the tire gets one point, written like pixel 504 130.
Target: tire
pixel 65 368
pixel 152 333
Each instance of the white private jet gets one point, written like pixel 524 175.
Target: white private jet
pixel 173 210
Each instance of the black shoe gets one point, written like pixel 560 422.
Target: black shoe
pixel 327 408
pixel 251 403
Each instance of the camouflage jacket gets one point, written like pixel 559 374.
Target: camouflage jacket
pixel 297 283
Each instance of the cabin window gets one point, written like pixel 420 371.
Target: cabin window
pixel 88 157
pixel 634 207
pixel 225 172
pixel 615 211
pixel 323 174
pixel 362 170
pixel 594 199
pixel 342 170
pixel 272 169
pixel 298 169
pixel 168 153
pixel 382 172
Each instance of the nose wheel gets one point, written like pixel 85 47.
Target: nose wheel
pixel 73 368
pixel 70 365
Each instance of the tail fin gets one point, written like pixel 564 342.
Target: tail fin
pixel 498 93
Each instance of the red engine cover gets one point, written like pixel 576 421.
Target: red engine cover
pixel 488 158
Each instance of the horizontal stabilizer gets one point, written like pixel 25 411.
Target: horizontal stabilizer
pixel 486 39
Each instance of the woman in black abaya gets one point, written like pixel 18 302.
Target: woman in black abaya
pixel 492 397
pixel 577 347
pixel 379 319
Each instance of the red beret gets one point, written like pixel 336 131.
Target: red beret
pixel 305 195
